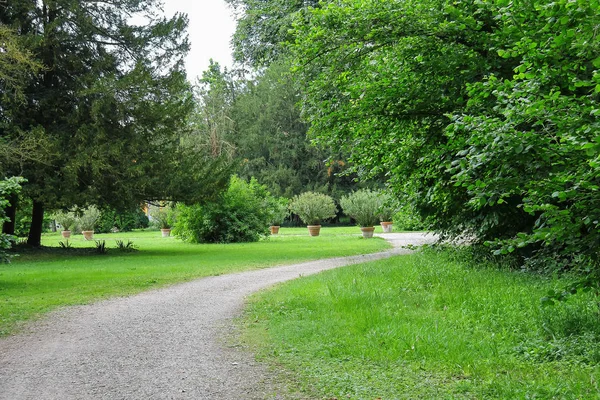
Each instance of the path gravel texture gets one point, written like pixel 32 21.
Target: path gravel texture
pixel 162 344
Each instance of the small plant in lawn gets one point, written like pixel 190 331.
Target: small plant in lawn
pixel 126 247
pixel 101 247
pixel 65 245
pixel 279 211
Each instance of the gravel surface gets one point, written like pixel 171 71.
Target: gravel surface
pixel 162 344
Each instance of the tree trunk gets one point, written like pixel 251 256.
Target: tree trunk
pixel 11 213
pixel 37 222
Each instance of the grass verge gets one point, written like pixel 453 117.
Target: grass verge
pixel 39 281
pixel 427 326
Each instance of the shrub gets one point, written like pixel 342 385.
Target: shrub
pixel 388 207
pixel 312 208
pixel 362 205
pixel 8 187
pixel 407 219
pixel 88 219
pixel 66 220
pixel 164 216
pixel 241 214
pixel 279 210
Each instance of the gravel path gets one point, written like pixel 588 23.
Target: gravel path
pixel 162 344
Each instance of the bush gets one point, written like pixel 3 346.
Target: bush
pixel 364 206
pixel 388 207
pixel 88 219
pixel 279 211
pixel 8 187
pixel 66 220
pixel 163 217
pixel 407 219
pixel 312 208
pixel 241 214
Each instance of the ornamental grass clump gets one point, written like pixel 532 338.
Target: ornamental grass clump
pixel 364 206
pixel 312 208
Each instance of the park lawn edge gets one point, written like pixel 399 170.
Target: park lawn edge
pixel 325 329
pixel 38 283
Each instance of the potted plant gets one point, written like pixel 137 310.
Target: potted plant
pixel 67 221
pixel 312 208
pixel 278 212
pixel 87 222
pixel 363 205
pixel 386 211
pixel 163 217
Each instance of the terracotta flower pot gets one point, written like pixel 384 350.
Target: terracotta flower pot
pixel 274 229
pixel 387 227
pixel 88 235
pixel 166 232
pixel 367 231
pixel 66 234
pixel 314 230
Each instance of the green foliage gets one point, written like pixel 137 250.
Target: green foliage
pixel 163 216
pixel 364 206
pixel 126 247
pixel 88 218
pixel 388 207
pixel 101 247
pixel 312 208
pixel 263 29
pixel 427 326
pixel 241 214
pixel 66 219
pixel 483 115
pixel 280 210
pixel 8 187
pixel 76 141
pixel 121 220
pixel 407 219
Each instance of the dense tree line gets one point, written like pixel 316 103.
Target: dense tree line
pixel 256 121
pixel 481 114
pixel 100 107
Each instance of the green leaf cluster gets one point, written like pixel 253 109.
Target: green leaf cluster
pixel 364 206
pixel 312 208
pixel 242 213
pixel 482 115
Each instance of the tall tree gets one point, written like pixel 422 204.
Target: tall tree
pixel 263 28
pixel 108 108
pixel 270 138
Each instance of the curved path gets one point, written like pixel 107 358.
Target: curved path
pixel 162 344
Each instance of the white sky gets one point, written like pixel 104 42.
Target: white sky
pixel 211 26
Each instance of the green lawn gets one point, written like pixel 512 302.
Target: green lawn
pixel 426 326
pixel 37 282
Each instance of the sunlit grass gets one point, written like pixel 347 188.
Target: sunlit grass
pixel 37 282
pixel 425 326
